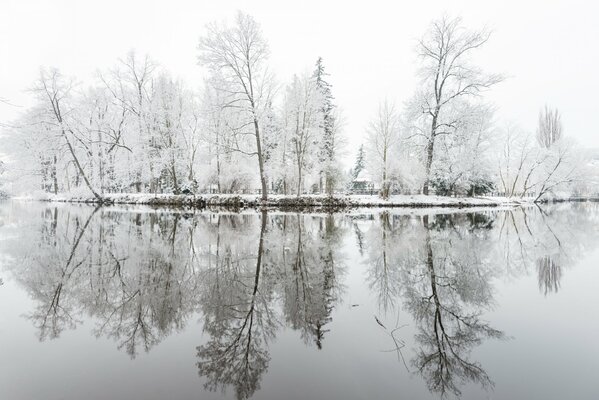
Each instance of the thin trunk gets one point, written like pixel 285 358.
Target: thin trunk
pixel 299 177
pixel 79 168
pixel 176 188
pixel 54 175
pixel 429 163
pixel 260 161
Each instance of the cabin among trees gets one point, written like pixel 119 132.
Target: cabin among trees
pixel 363 184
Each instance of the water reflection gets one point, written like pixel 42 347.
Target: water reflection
pixel 142 275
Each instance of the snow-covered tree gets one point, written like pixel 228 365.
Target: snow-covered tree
pixel 527 167
pixel 463 164
pixel 549 130
pixel 448 80
pixel 239 54
pixel 304 106
pixel 330 140
pixel 359 163
pixel 383 137
pixel 57 113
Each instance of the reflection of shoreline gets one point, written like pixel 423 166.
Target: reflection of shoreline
pixel 142 276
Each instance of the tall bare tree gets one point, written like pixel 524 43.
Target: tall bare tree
pixel 383 134
pixel 54 90
pixel 239 53
pixel 303 98
pixel 549 130
pixel 448 80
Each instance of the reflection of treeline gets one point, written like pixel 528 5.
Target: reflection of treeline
pixel 441 268
pixel 142 275
pixel 296 260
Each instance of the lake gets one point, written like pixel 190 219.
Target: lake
pixel 143 303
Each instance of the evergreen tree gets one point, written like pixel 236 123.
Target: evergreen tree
pixel 360 162
pixel 326 153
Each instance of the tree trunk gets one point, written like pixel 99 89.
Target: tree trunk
pixel 299 178
pixel 429 163
pixel 176 189
pixel 54 175
pixel 79 168
pixel 260 161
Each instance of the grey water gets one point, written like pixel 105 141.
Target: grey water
pixel 142 303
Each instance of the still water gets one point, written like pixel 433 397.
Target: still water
pixel 141 303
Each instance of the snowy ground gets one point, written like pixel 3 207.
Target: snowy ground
pixel 281 201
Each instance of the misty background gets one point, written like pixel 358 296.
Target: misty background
pixel 544 48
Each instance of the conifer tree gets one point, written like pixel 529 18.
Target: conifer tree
pixel 360 163
pixel 327 143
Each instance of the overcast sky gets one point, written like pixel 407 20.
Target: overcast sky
pixel 548 49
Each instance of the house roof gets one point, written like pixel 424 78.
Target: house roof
pixel 363 176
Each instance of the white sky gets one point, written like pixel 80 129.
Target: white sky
pixel 548 49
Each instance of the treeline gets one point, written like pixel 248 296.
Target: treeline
pixel 138 129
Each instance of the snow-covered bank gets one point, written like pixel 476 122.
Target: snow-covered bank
pixel 289 202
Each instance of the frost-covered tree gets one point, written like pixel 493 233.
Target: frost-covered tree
pixel 383 136
pixel 303 123
pixel 463 164
pixel 239 54
pixel 55 98
pixel 448 80
pixel 359 163
pixel 549 130
pixel 131 86
pixel 527 167
pixel 329 141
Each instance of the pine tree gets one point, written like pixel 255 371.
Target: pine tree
pixel 360 162
pixel 326 154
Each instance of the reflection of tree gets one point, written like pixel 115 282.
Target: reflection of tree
pixel 447 294
pixel 240 323
pixel 309 277
pixel 383 275
pixel 125 269
pixel 359 238
pixel 549 273
pixel 141 275
pixel 294 254
pixel 56 311
pixel 447 304
pixel 546 238
pixel 143 294
pixel 440 266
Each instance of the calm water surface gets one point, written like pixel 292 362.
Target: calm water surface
pixel 123 303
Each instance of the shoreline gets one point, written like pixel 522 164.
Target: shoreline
pixel 309 202
pixel 302 203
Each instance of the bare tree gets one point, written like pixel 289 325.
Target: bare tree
pixel 239 54
pixel 549 130
pixel 448 78
pixel 130 86
pixel 528 167
pixel 383 134
pixel 53 88
pixel 304 102
pixel 559 169
pixel 518 160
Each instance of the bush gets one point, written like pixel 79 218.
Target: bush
pixel 481 186
pixel 475 187
pixel 441 186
